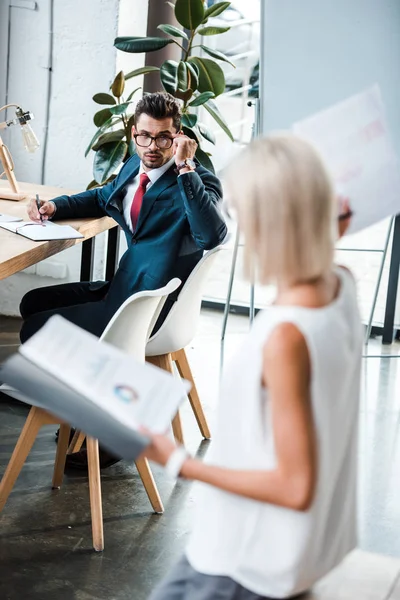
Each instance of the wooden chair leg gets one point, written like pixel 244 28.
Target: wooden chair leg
pixel 95 493
pixel 61 455
pixel 76 442
pixel 177 429
pixel 147 478
pixel 34 421
pixel 184 370
pixel 164 361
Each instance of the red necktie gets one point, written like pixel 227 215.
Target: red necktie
pixel 138 199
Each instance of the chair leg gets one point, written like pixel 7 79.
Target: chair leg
pixel 76 442
pixel 164 361
pixel 147 478
pixel 184 370
pixel 33 423
pixel 95 493
pixel 177 429
pixel 61 455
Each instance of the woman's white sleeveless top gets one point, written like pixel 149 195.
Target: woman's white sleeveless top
pixel 274 551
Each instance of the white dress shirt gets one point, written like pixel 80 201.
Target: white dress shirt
pixel 153 175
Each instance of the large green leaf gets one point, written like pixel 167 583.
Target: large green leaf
pixel 204 159
pixel 189 13
pixel 185 96
pixel 182 76
pixel 202 98
pixel 193 73
pixel 189 120
pixel 111 136
pixel 216 9
pixel 109 123
pixel 92 185
pixel 192 133
pixel 212 30
pixel 107 159
pixel 132 94
pixel 131 122
pixel 217 54
pixel 211 76
pixel 118 85
pixel 141 44
pixel 104 99
pixel 174 31
pixel 169 75
pixel 120 108
pixel 206 133
pixel 212 108
pixel 131 147
pixel 101 116
pixel 141 71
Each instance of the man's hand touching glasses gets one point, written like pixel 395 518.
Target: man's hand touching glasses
pixel 184 150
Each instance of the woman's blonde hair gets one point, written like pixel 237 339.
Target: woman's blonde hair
pixel 283 197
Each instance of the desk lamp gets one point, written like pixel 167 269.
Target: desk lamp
pixel 31 144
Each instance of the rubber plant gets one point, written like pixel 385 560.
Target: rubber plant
pixel 194 80
pixel 112 142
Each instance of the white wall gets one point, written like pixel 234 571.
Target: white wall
pixel 84 63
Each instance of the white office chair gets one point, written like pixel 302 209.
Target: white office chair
pixel 128 330
pixel 177 331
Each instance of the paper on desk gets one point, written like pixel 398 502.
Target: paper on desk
pixel 8 218
pixel 131 392
pixel 42 232
pixel 354 140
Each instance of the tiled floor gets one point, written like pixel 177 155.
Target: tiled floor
pixel 45 536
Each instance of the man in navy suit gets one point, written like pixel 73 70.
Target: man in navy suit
pixel 168 207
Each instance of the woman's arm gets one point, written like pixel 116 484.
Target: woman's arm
pixel 286 373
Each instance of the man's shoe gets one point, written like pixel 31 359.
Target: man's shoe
pixel 71 435
pixel 78 460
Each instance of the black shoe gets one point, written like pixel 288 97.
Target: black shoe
pixel 71 435
pixel 78 460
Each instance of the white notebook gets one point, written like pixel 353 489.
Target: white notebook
pixel 8 218
pixel 42 232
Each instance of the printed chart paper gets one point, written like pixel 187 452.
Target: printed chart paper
pixel 354 141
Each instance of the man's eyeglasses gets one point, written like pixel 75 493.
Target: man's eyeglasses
pixel 163 142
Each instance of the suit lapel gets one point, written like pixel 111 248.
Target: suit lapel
pixel 164 182
pixel 128 172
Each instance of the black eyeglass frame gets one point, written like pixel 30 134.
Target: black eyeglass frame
pixel 151 138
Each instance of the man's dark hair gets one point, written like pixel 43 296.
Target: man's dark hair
pixel 159 105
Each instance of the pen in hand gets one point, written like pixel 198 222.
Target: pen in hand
pixel 38 207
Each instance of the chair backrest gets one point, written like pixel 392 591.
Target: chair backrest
pixel 180 326
pixel 132 324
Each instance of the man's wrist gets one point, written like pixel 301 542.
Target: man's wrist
pixel 186 170
pixel 186 165
pixel 55 209
pixel 174 464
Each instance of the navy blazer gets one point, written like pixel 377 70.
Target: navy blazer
pixel 180 217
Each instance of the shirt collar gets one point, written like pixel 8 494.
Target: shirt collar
pixel 155 174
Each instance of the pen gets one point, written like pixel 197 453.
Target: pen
pixel 38 207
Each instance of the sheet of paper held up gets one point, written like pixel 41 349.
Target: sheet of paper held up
pixel 354 140
pixel 42 232
pixel 131 392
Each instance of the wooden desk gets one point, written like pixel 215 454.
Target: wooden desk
pixel 18 253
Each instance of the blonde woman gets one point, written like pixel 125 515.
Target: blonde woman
pixel 276 507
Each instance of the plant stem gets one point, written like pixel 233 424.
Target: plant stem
pixel 189 48
pixel 178 44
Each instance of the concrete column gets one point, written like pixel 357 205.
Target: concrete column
pixel 159 12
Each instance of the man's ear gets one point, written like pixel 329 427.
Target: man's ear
pixel 133 130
